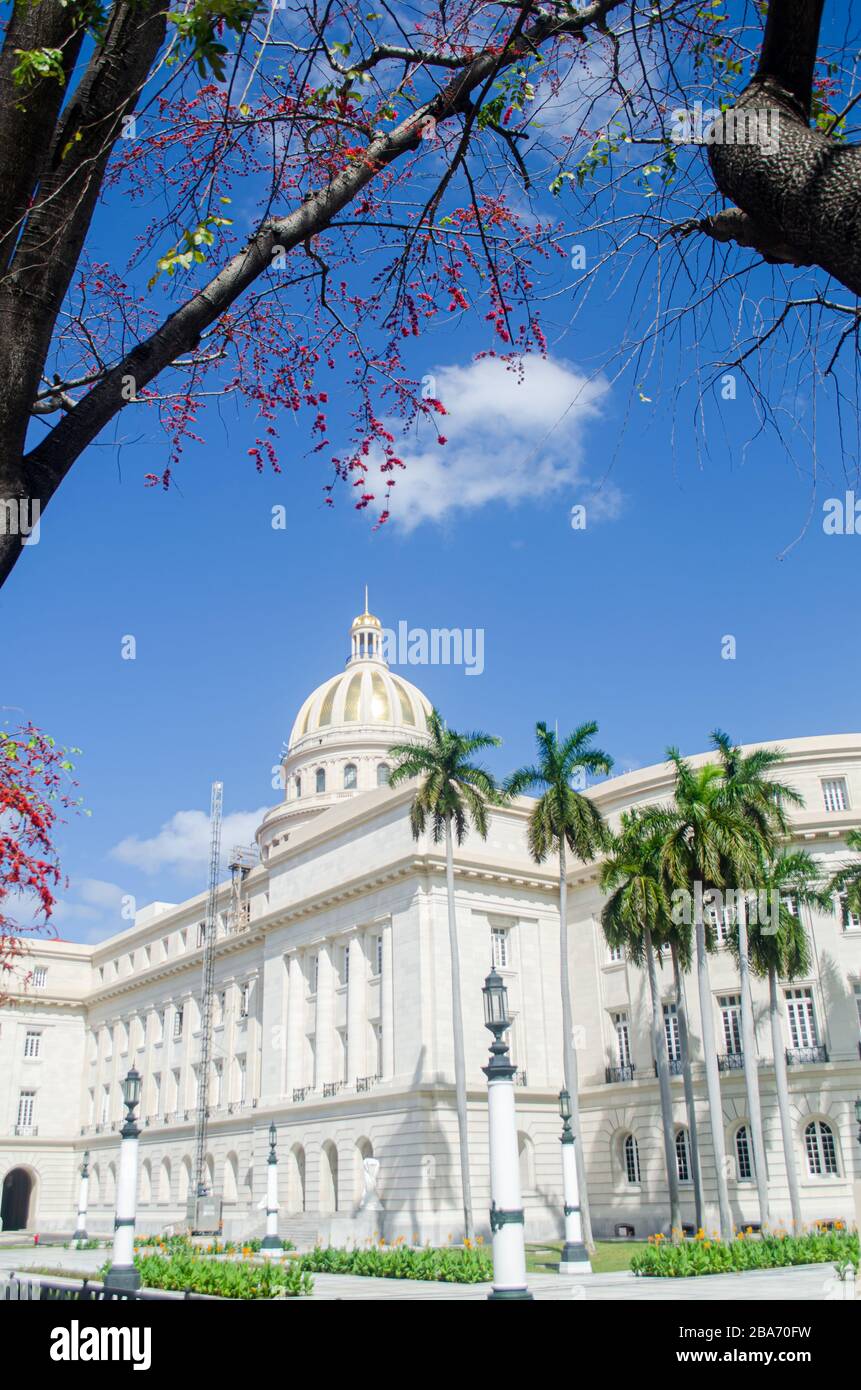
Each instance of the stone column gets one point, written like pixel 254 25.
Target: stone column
pixel 295 1024
pixel 272 1030
pixel 324 1027
pixel 387 1005
pixel 357 1011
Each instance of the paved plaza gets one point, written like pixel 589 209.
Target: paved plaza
pixel 802 1283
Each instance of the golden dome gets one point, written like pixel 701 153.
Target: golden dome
pixel 365 620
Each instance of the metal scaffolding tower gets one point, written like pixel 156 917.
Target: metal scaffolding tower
pixel 209 935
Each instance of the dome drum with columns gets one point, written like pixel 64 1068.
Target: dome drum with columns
pixel 339 743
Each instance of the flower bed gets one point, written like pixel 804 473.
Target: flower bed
pixel 704 1256
pixel 183 1269
pixel 470 1265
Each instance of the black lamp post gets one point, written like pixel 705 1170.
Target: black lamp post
pixel 271 1244
pixel 858 1116
pixel 83 1191
pixel 506 1210
pixel 575 1257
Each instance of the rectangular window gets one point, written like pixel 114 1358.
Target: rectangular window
pixel 345 965
pixel 32 1044
pixel 244 995
pixel 851 921
pixel 26 1107
pixel 165 947
pixel 242 1078
pixel 159 1025
pixel 218 1088
pixel 106 1105
pixel 730 1009
pixel 177 1021
pixel 615 954
pixel 378 955
pixel 834 794
pixel 314 973
pixel 499 947
pixel 801 1018
pixel 623 1039
pixel 201 933
pixel 40 976
pixel 156 1093
pixel 671 1028
pixel 195 1073
pixel 177 1082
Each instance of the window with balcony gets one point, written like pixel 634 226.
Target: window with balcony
pixel 834 794
pixel 499 953
pixel 801 1019
pixel 623 1070
pixel 177 1021
pixel 32 1044
pixel 631 1153
pixel 671 1029
pixel 730 1011
pixel 821 1150
pixel 244 998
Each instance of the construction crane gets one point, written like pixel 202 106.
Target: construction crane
pixel 209 935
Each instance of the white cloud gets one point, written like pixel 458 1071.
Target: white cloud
pixel 511 438
pixel 182 844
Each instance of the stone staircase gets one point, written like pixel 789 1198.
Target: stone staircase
pixel 304 1231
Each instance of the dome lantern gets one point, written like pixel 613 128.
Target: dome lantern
pixel 366 635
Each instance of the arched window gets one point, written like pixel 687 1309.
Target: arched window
pixel 320 780
pixel 146 1182
pixel 743 1154
pixel 631 1153
pixel 349 776
pixel 231 1178
pixel 329 1177
pixel 296 1179
pixel 821 1150
pixel 526 1155
pixel 683 1155
pixel 383 774
pixel 164 1181
pixel 298 785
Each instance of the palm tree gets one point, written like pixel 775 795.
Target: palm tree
pixel 679 941
pixel 563 817
pixel 784 954
pixel 749 787
pixel 637 916
pixel 706 838
pixel 846 882
pixel 453 792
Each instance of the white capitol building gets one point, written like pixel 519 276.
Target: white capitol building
pixel 332 1016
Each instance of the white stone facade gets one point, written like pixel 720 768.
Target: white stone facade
pixel 333 1018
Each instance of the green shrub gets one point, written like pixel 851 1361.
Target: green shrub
pixel 703 1256
pixel 185 1270
pixel 471 1264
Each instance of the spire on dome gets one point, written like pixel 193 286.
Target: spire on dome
pixel 366 636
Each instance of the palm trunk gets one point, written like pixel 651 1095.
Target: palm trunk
pixel 781 1086
pixel 662 1060
pixel 751 1073
pixel 569 1053
pixel 688 1080
pixel 712 1077
pixel 457 1027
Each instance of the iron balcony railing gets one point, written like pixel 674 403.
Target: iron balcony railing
pixel 331 1088
pixel 28 1131
pixel 676 1066
pixel 364 1083
pixel 806 1056
pixel 520 1078
pixel 301 1093
pixel 620 1073
pixel 731 1061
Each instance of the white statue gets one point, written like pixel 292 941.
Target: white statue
pixel 370 1197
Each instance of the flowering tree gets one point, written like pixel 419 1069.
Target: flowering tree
pixel 263 197
pixel 34 783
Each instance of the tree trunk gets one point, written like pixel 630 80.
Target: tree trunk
pixel 751 1069
pixel 457 1028
pixel 781 1086
pixel 569 1053
pixel 662 1061
pixel 712 1078
pixel 797 191
pixel 690 1104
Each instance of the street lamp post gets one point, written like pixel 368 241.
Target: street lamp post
pixel 575 1256
pixel 271 1244
pixel 506 1211
pixel 856 1188
pixel 81 1225
pixel 122 1273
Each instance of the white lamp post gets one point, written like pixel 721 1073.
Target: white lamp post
pixel 81 1226
pixel 122 1273
pixel 575 1256
pixel 271 1244
pixel 506 1211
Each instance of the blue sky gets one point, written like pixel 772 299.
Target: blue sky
pixel 235 622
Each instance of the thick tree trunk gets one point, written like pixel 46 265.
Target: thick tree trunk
pixel 712 1079
pixel 687 1075
pixel 781 1086
pixel 570 1066
pixel 797 191
pixel 457 1029
pixel 662 1062
pixel 751 1071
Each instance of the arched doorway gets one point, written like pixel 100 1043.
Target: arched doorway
pixel 17 1191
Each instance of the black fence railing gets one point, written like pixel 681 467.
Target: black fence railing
pixel 15 1289
pixel 620 1073
pixel 806 1056
pixel 731 1061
